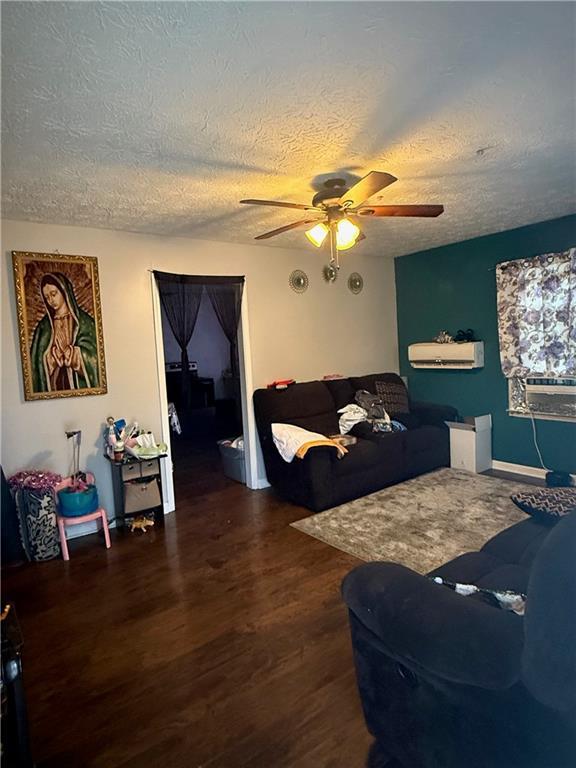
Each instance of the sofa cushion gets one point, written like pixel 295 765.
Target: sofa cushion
pixel 309 405
pixel 325 423
pixel 433 414
pixel 547 505
pixel 393 442
pixel 394 396
pixel 364 430
pixel 368 382
pixel 486 571
pixel 517 544
pixel 361 456
pixel 341 390
pixel 506 576
pixel 426 448
pixel 468 568
pixel 410 420
pixel 425 438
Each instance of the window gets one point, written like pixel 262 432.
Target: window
pixel 537 334
pixel 546 398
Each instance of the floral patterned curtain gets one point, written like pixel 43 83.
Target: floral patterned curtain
pixel 537 316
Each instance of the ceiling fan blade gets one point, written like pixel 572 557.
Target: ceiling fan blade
pixel 400 210
pixel 279 231
pixel 299 206
pixel 371 183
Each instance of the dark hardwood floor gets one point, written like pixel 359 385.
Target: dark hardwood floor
pixel 218 642
pixel 514 477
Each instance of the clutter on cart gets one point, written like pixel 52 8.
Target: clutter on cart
pixel 121 438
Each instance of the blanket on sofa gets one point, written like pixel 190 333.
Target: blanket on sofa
pixel 292 441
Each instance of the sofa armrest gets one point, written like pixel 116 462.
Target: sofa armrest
pixel 433 628
pixel 307 481
pixel 316 458
pixel 433 414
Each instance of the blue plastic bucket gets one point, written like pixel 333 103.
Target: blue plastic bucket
pixel 77 503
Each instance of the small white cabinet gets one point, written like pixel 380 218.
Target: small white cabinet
pixel 471 443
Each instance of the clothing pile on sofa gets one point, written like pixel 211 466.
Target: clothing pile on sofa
pixel 368 408
pixel 295 442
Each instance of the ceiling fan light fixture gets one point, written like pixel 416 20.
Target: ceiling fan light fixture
pixel 347 233
pixel 340 207
pixel 317 234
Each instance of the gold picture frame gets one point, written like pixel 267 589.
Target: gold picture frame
pixel 59 325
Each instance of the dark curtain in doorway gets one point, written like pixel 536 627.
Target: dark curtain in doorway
pixel 225 293
pixel 181 296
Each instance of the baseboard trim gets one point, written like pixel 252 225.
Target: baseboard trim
pixel 77 531
pixel 261 483
pixel 522 469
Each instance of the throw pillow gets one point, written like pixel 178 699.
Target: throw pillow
pixel 393 395
pixel 546 504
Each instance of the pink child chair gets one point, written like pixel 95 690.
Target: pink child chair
pixel 99 514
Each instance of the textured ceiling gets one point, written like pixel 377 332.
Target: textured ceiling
pixel 159 117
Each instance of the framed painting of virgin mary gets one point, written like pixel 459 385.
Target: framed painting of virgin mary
pixel 60 325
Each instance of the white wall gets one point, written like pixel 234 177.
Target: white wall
pixel 300 336
pixel 208 345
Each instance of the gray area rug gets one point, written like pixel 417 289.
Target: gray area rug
pixel 420 523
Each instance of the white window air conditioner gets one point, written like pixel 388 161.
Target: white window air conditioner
pixel 459 356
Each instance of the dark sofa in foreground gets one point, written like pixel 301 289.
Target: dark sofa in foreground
pixel 321 480
pixel 448 681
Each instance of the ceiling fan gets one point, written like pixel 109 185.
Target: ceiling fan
pixel 336 210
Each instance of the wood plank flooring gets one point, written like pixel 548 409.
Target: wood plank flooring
pixel 218 642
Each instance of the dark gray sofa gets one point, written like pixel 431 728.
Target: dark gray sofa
pixel 321 480
pixel 449 681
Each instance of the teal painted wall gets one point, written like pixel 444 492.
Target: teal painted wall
pixel 454 287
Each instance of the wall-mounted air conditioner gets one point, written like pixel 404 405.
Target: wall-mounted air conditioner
pixel 431 354
pixel 555 398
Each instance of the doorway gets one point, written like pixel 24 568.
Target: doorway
pixel 209 413
pixel 212 402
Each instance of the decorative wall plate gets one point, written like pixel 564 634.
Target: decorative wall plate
pixel 298 281
pixel 355 282
pixel 330 273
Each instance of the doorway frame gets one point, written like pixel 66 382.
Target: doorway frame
pixel 246 389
